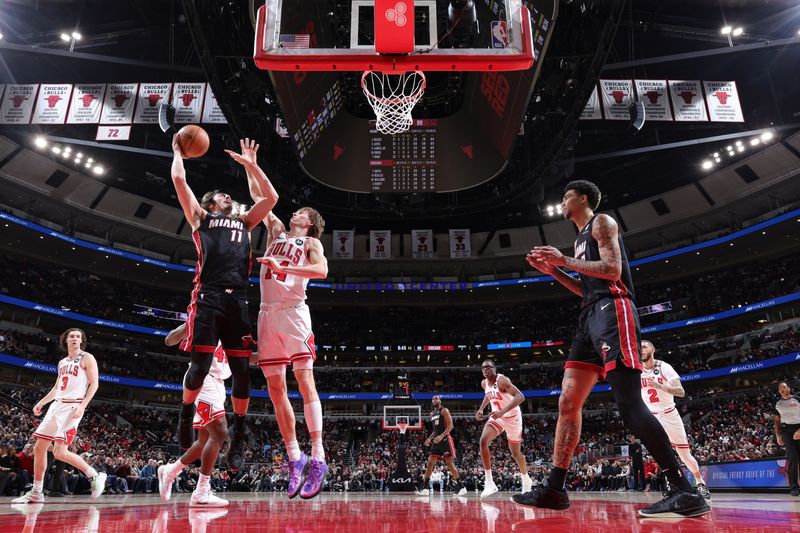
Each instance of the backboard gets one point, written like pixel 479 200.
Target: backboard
pixel 394 36
pixel 396 415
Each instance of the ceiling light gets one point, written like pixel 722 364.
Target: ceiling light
pixel 90 160
pixel 78 160
pixel 755 142
pixel 741 148
pixel 88 165
pixel 738 143
pixel 767 135
pixel 77 36
pixel 716 154
pixel 67 149
pixel 98 169
pixel 65 155
pixel 726 30
pixel 737 32
pixel 40 141
pixel 80 154
pixel 56 150
pixel 65 37
pixel 729 148
pixel 1 36
pixel 707 165
pixel 718 160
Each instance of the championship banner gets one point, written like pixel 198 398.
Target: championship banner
pixel 592 110
pixel 460 246
pixel 343 243
pixel 147 103
pixel 723 101
pixel 119 103
pixel 380 244
pixel 212 114
pixel 187 99
pixel 653 94
pixel 422 243
pixel 52 104
pixel 617 96
pixel 86 103
pixel 2 89
pixel 18 104
pixel 687 101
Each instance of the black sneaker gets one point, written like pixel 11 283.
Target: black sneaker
pixel 703 491
pixel 55 494
pixel 678 504
pixel 795 492
pixel 543 496
pixel 185 429
pixel 235 455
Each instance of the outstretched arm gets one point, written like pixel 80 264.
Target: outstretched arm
pixel 191 207
pixel 316 269
pixel 262 192
pixel 605 232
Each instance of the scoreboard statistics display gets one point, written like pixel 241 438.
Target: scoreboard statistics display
pixel 404 162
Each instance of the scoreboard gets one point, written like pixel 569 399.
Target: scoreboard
pixel 403 389
pixel 405 162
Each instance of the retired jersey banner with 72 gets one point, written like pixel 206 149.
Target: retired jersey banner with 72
pixel 460 246
pixel 617 96
pixel 18 104
pixel 187 99
pixel 147 103
pixel 723 101
pixel 52 104
pixel 422 243
pixel 380 244
pixel 653 94
pixel 119 103
pixel 86 103
pixel 343 243
pixel 687 101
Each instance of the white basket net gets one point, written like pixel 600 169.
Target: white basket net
pixel 392 97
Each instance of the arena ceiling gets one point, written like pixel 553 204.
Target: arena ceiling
pixel 152 40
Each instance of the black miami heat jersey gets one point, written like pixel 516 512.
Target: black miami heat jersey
pixel 223 253
pixel 595 289
pixel 437 423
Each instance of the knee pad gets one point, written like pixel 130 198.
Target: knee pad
pixel 240 370
pixel 198 370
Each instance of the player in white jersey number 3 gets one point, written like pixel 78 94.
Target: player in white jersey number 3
pixel 75 386
pixel 660 385
pixel 284 326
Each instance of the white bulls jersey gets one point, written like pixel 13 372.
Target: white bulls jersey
pixel 499 399
pixel 284 288
pixel 658 400
pixel 220 369
pixel 72 379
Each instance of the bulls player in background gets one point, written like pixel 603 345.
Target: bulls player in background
pixel 284 324
pixel 217 312
pixel 660 385
pixel 606 345
pixel 506 417
pixel 75 387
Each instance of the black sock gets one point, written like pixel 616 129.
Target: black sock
pixel 238 423
pixel 627 388
pixel 557 478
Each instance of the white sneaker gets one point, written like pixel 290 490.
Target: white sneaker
pixel 30 497
pixel 165 482
pixel 98 485
pixel 527 485
pixel 423 492
pixel 489 489
pixel 206 498
pixel 462 491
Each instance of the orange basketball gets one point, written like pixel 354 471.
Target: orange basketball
pixel 193 141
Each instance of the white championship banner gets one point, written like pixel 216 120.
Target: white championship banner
pixel 86 103
pixel 723 102
pixel 460 245
pixel 52 104
pixel 592 110
pixel 2 89
pixel 653 94
pixel 343 244
pixel 616 96
pixel 119 103
pixel 187 99
pixel 18 103
pixel 687 101
pixel 148 100
pixel 422 243
pixel 212 114
pixel 380 244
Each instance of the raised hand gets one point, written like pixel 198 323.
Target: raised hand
pixel 249 155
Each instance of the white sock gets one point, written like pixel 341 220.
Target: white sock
pixel 526 477
pixel 38 485
pixel 175 468
pixel 293 450
pixel 317 451
pixel 203 482
pixel 488 476
pixel 91 473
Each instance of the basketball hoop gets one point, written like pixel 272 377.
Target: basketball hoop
pixel 392 97
pixel 402 427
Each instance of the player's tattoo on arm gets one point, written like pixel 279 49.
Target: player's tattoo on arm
pixel 573 284
pixel 605 232
pixel 675 388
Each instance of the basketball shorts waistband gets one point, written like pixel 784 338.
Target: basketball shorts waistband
pixel 280 305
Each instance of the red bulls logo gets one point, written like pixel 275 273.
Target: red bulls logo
pixel 652 96
pixel 187 99
pixel 618 96
pixel 152 99
pixel 17 99
pixel 687 96
pixel 52 100
pixel 722 96
pixel 87 99
pixel 120 99
pixel 468 151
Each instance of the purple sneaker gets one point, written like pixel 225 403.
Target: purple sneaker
pixel 314 479
pixel 297 475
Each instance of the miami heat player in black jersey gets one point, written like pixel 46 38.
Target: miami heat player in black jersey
pixel 217 312
pixel 606 344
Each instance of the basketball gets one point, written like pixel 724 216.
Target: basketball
pixel 193 141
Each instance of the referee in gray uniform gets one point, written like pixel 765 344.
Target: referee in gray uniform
pixel 786 416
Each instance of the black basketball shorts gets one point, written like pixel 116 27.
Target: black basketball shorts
pixel 218 316
pixel 446 449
